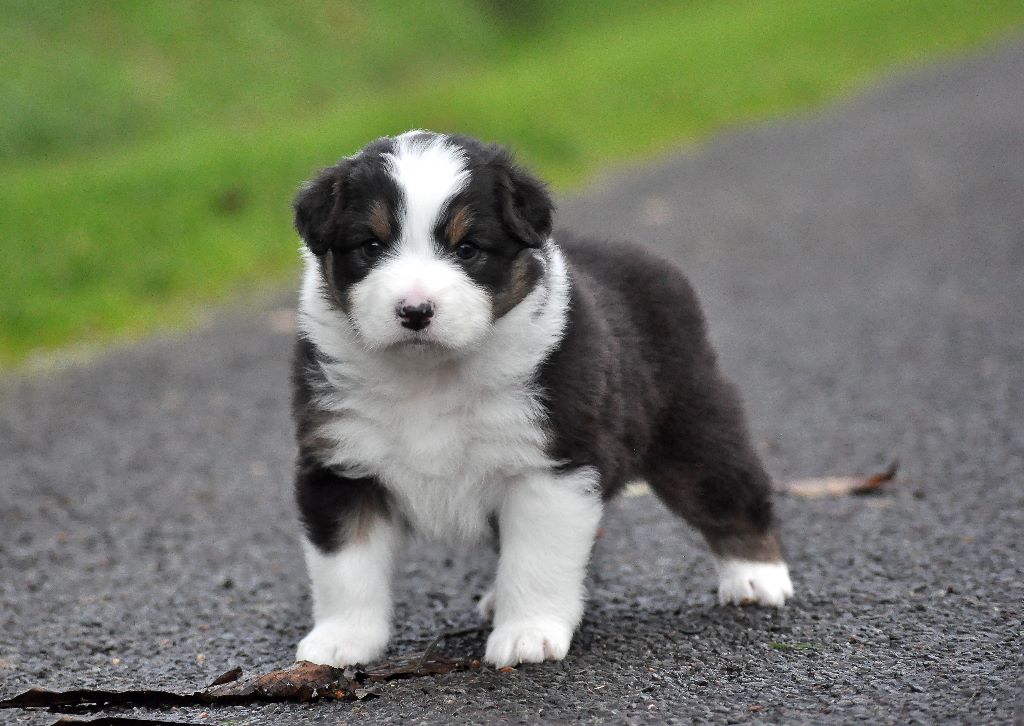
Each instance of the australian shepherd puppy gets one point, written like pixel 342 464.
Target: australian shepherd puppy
pixel 461 373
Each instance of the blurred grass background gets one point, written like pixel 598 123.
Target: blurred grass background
pixel 149 149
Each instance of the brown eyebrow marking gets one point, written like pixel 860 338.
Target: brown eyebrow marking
pixel 380 223
pixel 459 225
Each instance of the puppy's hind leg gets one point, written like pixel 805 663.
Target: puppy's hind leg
pixel 732 509
pixel 712 477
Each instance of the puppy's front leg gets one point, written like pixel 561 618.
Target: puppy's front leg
pixel 350 552
pixel 546 526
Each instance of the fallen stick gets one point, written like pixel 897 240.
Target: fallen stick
pixel 302 682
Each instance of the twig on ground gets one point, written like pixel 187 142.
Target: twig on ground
pixel 301 682
pixel 444 636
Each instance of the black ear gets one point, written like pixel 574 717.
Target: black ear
pixel 526 205
pixel 317 206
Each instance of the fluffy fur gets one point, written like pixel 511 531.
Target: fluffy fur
pixel 459 370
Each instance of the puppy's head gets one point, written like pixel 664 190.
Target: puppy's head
pixel 425 239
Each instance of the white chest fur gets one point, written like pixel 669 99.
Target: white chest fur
pixel 446 438
pixel 442 447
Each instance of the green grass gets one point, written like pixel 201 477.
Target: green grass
pixel 149 150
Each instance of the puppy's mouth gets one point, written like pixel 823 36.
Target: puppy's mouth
pixel 420 340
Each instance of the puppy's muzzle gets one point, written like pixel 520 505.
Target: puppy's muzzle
pixel 415 317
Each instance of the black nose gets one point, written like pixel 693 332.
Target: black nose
pixel 415 317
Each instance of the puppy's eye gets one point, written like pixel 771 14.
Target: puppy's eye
pixel 372 249
pixel 466 251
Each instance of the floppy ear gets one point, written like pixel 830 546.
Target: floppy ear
pixel 317 206
pixel 526 205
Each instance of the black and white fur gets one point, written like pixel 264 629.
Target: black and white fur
pixel 458 371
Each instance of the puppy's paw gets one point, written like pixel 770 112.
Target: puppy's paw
pixel 486 605
pixel 339 644
pixel 741 582
pixel 527 641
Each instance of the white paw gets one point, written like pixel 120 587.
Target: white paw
pixel 741 582
pixel 486 605
pixel 527 641
pixel 340 644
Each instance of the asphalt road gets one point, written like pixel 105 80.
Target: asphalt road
pixel 863 271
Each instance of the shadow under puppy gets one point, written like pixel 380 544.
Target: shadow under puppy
pixel 456 366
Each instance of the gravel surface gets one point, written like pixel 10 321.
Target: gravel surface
pixel 863 271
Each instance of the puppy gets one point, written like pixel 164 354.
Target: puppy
pixel 459 370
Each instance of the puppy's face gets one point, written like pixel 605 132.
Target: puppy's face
pixel 425 240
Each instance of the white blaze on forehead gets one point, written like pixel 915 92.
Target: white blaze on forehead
pixel 429 170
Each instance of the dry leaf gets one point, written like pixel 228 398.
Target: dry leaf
pixel 302 682
pixel 838 486
pixel 227 677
